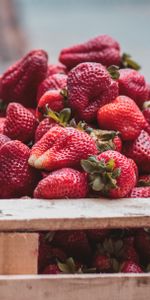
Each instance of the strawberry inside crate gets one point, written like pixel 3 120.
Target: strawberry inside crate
pixel 94 251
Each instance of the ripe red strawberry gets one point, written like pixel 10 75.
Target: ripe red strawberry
pixel 129 253
pixel 74 243
pixel 90 86
pixel 97 235
pixel 20 82
pixel 111 174
pixel 139 150
pixel 102 263
pixel 122 115
pixel 144 180
pixel 55 69
pixel 52 82
pixel 33 111
pixel 43 127
pixel 106 140
pixel 2 122
pixel 130 266
pixel 140 192
pixel 62 147
pixel 17 178
pixel 3 139
pixel 53 99
pixel 135 168
pixel 20 123
pixel 142 242
pixel 102 49
pixel 51 269
pixel 63 183
pixel 133 85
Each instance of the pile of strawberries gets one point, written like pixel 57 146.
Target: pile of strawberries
pixel 77 129
pixel 94 251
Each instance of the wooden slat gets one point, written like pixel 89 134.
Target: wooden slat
pixel 18 253
pixel 76 287
pixel 35 215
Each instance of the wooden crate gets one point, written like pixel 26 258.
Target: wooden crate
pixel 20 222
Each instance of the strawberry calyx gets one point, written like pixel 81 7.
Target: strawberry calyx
pixel 69 266
pixel 62 117
pixel 113 71
pixel 146 104
pixel 128 62
pixel 142 182
pixel 102 176
pixel 104 139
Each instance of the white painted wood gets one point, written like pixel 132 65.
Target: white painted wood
pixel 18 253
pixel 34 215
pixel 76 287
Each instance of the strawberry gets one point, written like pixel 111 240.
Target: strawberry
pixel 17 178
pixel 43 127
pixel 106 140
pixel 102 263
pixel 97 235
pixel 61 147
pixel 74 243
pixel 102 49
pixel 20 123
pixel 90 86
pixel 129 253
pixel 130 266
pixel 53 99
pixel 140 192
pixel 133 85
pixel 20 82
pixel 55 69
pixel 63 183
pixel 142 243
pixel 139 150
pixel 122 115
pixel 3 139
pixel 2 122
pixel 111 174
pixel 51 269
pixel 52 82
pixel 135 168
pixel 144 180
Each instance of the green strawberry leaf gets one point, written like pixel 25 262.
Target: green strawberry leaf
pixel 68 267
pixel 128 62
pixel 97 184
pixel 113 71
pixel 64 115
pixel 143 183
pixel 115 265
pixel 116 173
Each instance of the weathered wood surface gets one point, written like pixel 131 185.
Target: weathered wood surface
pixel 18 253
pixel 75 287
pixel 35 215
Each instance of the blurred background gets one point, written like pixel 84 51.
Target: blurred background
pixel 55 24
